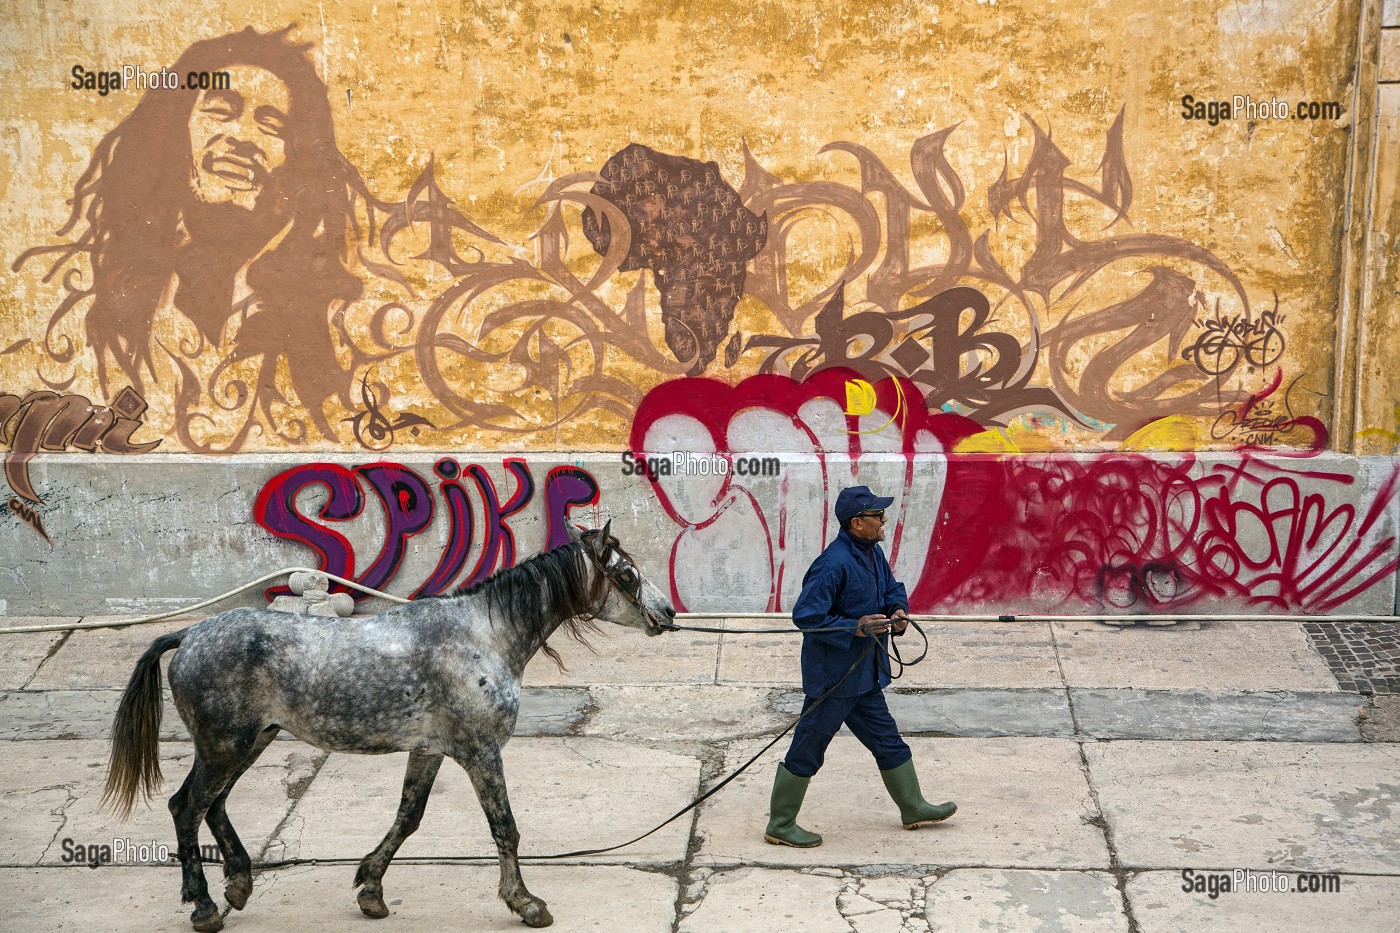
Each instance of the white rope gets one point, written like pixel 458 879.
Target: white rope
pixel 1004 617
pixel 143 620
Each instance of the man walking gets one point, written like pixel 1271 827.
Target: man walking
pixel 849 588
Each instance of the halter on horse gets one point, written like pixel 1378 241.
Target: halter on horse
pixel 436 677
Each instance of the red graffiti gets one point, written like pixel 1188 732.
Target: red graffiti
pixel 1109 530
pixel 779 519
pixel 1155 532
pixel 1264 423
pixel 408 504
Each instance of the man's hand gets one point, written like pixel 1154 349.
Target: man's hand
pixel 873 624
pixel 901 621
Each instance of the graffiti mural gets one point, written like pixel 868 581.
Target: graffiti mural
pixel 976 522
pixel 407 501
pixel 218 242
pixel 758 535
pixel 1128 530
pixel 689 228
pixel 374 430
pixel 1264 421
pixel 45 420
pixel 1025 286
pixel 226 259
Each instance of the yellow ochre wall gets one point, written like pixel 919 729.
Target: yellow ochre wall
pixel 1205 286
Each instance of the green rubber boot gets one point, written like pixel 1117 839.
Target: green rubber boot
pixel 914 810
pixel 788 791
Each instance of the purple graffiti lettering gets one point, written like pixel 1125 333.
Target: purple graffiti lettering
pixel 500 540
pixel 276 510
pixel 564 488
pixel 408 509
pixel 459 530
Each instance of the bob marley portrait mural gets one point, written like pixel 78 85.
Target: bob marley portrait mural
pixel 444 235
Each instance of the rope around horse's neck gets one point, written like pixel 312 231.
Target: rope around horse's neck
pixel 890 655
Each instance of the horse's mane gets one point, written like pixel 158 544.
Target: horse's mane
pixel 555 579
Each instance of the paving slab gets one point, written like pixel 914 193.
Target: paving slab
pixel 760 659
pixel 566 794
pixel 50 791
pixel 1218 715
pixel 313 899
pixel 970 711
pixel 551 710
pixel 881 902
pixel 21 655
pixel 790 901
pixel 103 658
pixel 1260 805
pixel 1038 901
pixel 594 898
pixel 1273 655
pixel 700 713
pixel 110 899
pixel 1382 720
pixel 626 656
pixel 1365 904
pixel 960 655
pixel 1021 802
pixel 73 714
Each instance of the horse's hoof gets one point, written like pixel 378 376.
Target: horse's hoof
pixel 536 915
pixel 207 921
pixel 237 889
pixel 372 904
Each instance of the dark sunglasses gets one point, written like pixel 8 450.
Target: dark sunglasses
pixel 877 513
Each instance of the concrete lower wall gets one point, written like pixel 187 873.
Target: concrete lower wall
pixel 1112 533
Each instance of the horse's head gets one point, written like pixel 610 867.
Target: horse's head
pixel 629 598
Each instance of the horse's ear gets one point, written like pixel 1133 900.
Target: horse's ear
pixel 600 543
pixel 573 531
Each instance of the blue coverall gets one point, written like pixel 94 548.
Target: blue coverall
pixel 846 582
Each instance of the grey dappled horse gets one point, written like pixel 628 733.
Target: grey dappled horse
pixel 440 676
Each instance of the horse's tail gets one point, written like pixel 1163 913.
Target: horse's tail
pixel 134 765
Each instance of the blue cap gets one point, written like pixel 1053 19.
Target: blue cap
pixel 857 499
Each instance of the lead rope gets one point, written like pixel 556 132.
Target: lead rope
pixel 283 863
pixel 579 853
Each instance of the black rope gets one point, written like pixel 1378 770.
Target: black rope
pixel 673 627
pixel 579 853
pixel 892 655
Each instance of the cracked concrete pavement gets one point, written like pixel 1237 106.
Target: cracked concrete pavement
pixel 1094 767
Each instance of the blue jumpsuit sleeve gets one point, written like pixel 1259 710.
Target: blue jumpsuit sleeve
pixel 815 607
pixel 895 596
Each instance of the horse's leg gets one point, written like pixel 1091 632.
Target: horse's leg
pixel 214 765
pixel 238 868
pixel 483 765
pixel 417 783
